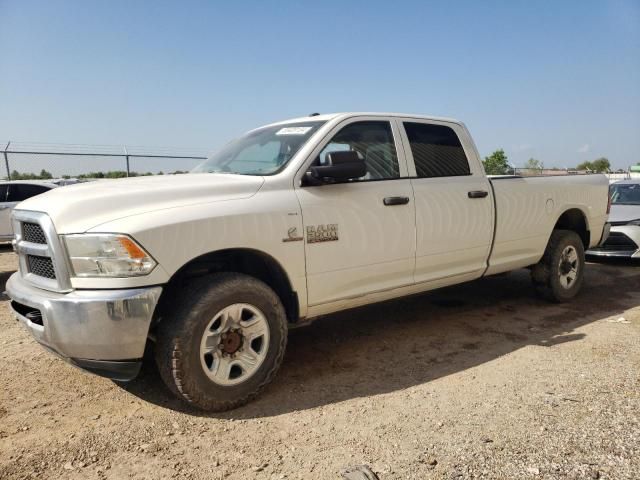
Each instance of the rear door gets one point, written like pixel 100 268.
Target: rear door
pixel 5 213
pixel 454 203
pixel 360 235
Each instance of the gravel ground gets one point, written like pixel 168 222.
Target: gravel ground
pixel 477 381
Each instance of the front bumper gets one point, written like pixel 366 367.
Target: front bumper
pixel 102 331
pixel 623 241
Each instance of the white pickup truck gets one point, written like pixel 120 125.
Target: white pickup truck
pixel 286 223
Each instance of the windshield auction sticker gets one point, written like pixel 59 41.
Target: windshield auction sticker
pixel 293 131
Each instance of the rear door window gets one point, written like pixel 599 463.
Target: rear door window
pixel 437 151
pixel 20 191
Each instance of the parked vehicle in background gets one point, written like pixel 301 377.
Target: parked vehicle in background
pixel 61 182
pixel 624 238
pixel 11 193
pixel 289 222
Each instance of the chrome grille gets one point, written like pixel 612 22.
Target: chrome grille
pixel 40 251
pixel 32 232
pixel 41 266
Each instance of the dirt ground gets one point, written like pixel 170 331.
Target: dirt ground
pixel 481 380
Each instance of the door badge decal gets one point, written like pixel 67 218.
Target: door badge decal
pixel 322 233
pixel 292 235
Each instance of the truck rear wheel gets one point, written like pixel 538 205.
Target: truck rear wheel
pixel 559 274
pixel 222 342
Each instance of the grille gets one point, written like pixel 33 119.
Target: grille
pixel 41 266
pixel 619 241
pixel 32 232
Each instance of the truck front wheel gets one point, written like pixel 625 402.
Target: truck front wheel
pixel 558 276
pixel 222 342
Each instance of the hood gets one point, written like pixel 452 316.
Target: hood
pixel 77 208
pixel 624 213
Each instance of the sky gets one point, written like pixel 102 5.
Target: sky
pixel 557 81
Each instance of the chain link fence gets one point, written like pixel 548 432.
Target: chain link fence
pixel 43 161
pixel 31 161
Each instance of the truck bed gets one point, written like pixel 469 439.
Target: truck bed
pixel 527 208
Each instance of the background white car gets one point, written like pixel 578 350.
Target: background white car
pixel 624 238
pixel 12 193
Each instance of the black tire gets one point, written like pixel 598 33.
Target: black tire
pixel 182 328
pixel 546 275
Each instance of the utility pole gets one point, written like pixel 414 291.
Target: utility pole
pixel 126 153
pixel 6 161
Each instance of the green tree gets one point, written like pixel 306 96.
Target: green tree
pixel 496 163
pixel 585 166
pixel 601 165
pixel 534 164
pixel 43 175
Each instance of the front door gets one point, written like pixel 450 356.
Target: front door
pixel 360 234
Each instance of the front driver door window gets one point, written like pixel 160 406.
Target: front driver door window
pixel 374 141
pixel 373 246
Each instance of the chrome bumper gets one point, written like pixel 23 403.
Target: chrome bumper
pixel 103 331
pixel 612 247
pixel 613 253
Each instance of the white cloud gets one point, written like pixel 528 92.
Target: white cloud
pixel 584 148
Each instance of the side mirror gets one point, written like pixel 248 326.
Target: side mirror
pixel 344 165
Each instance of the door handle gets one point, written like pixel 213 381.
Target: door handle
pixel 388 201
pixel 477 194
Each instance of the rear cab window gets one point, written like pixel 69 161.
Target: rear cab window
pixel 436 150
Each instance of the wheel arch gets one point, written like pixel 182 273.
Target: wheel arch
pixel 575 220
pixel 254 263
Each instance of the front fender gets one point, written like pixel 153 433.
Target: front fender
pixel 266 222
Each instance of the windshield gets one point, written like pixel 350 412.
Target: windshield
pixel 625 194
pixel 260 152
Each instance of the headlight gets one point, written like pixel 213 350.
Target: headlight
pixel 107 255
